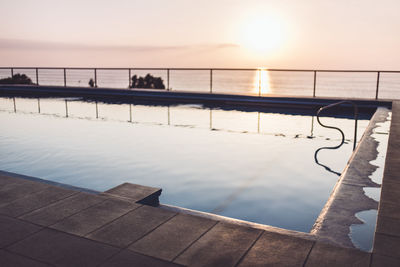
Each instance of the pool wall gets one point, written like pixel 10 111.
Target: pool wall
pixel 348 197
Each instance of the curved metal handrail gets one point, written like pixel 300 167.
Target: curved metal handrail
pixel 338 129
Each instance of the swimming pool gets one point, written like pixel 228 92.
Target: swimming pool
pixel 252 165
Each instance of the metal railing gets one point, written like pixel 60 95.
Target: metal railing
pixel 338 129
pixel 64 72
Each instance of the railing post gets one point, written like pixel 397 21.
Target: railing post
pixel 15 105
pixel 95 78
pixel 211 80
pixel 66 108
pixel 97 111
pixel 12 72
pixel 37 76
pixel 377 84
pixel 167 79
pixel 355 127
pixel 315 82
pixel 130 112
pixel 129 78
pixel 169 116
pixel 259 82
pixel 210 118
pixel 65 77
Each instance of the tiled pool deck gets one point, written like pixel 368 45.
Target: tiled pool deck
pixel 47 225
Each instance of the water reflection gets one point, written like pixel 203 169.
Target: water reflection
pixel 198 116
pixel 323 165
pixel 262 82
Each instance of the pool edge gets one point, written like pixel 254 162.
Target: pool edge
pixel 348 197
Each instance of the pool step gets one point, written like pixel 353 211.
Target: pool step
pixel 145 195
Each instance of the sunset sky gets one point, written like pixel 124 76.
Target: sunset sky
pixel 341 34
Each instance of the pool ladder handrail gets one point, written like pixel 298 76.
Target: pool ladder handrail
pixel 336 128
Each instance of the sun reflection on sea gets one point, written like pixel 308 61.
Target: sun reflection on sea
pixel 262 82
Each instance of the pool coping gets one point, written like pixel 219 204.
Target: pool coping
pixel 36 179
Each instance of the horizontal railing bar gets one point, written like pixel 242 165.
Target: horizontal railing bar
pixel 216 69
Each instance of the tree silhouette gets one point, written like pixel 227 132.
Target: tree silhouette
pixel 17 79
pixel 148 82
pixel 91 83
pixel 134 81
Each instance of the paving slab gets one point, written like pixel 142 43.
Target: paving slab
pixel 323 254
pixel 384 261
pixel 14 191
pixel 6 180
pixel 90 219
pixel 223 245
pixel 35 201
pixel 132 226
pixel 387 245
pixel 389 209
pixel 387 235
pixel 61 209
pixel 390 192
pixel 63 249
pixel 13 230
pixel 387 225
pixel 273 249
pixel 8 259
pixel 142 194
pixel 390 174
pixel 390 177
pixel 170 239
pixel 128 259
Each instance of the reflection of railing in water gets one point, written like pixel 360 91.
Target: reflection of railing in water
pixel 338 129
pixel 257 128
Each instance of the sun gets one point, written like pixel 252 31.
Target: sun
pixel 262 34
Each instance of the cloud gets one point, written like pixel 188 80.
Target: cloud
pixel 19 44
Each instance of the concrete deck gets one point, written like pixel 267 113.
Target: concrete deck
pixel 48 225
pixel 386 251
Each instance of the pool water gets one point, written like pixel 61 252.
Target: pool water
pixel 254 166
